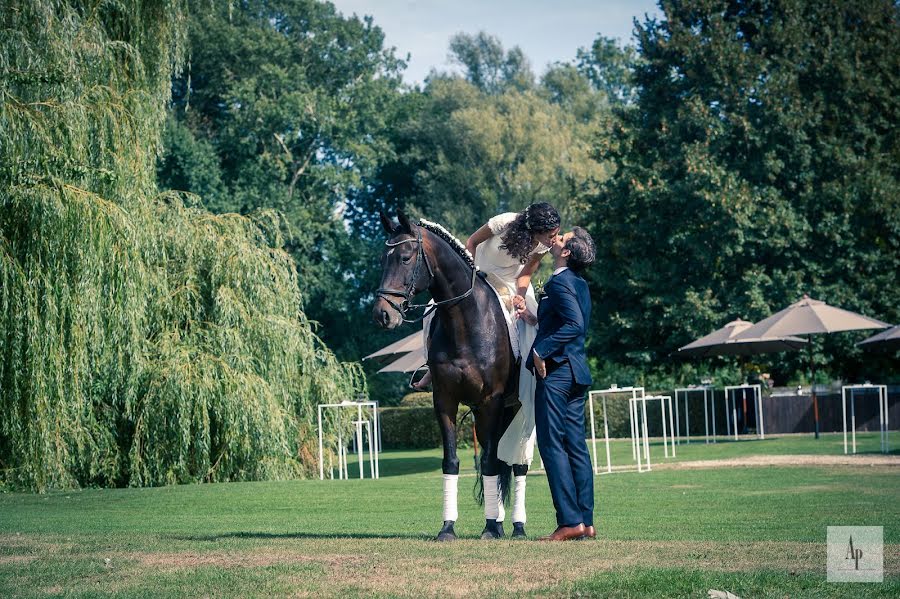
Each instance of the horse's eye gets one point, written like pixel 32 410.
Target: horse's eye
pixel 406 260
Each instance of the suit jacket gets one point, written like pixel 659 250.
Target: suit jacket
pixel 563 316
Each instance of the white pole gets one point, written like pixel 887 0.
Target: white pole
pixel 340 455
pixel 662 406
pixel 606 435
pixel 646 434
pixel 727 418
pixel 632 405
pixel 844 415
pixel 593 430
pixel 632 416
pixel 377 437
pixel 371 454
pixel 886 416
pixel 670 424
pixel 712 412
pixel 359 440
pixel 677 421
pixel 734 412
pixel 321 456
pixel 762 417
pixel 705 417
pixel 853 417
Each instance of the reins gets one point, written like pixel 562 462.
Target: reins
pixel 407 294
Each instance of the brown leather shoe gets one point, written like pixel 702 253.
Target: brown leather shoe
pixel 565 533
pixel 589 532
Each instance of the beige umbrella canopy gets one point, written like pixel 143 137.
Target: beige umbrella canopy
pixel 889 337
pixel 810 317
pixel 410 362
pixel 724 342
pixel 403 346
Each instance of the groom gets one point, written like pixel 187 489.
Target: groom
pixel 558 361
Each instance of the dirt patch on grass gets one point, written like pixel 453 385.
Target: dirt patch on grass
pixel 478 568
pixel 786 460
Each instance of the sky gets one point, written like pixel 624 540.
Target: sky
pixel 547 30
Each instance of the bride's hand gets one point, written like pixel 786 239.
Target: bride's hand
pixel 518 303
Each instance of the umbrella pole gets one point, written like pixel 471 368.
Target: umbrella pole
pixel 812 386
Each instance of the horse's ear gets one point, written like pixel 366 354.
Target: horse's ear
pixel 405 226
pixel 386 223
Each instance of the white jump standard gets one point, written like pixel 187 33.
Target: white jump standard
pixel 708 398
pixel 730 393
pixel 882 412
pixel 372 433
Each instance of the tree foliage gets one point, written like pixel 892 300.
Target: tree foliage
pixel 759 163
pixel 143 340
pixel 284 105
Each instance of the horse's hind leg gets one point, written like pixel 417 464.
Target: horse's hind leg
pixel 489 425
pixel 446 410
pixel 518 513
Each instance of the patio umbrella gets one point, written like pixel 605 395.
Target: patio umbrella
pixel 409 343
pixel 890 337
pixel 723 342
pixel 810 317
pixel 410 362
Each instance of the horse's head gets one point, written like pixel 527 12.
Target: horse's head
pixel 405 271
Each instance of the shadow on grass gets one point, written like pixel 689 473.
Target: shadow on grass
pixel 301 535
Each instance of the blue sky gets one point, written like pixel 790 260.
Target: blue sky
pixel 546 30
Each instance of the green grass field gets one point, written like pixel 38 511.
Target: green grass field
pixel 674 532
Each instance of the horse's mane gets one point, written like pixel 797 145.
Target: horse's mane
pixel 452 241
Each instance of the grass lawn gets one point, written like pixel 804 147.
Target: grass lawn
pixel 673 532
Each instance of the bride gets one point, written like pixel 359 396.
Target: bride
pixel 509 248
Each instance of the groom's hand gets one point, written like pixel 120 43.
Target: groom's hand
pixel 540 367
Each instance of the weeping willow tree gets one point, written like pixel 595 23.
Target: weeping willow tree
pixel 143 341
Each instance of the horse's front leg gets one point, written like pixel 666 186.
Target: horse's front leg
pixel 445 409
pixel 489 426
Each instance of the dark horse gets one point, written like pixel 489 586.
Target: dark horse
pixel 469 353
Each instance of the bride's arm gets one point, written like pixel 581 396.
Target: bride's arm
pixel 524 278
pixel 477 238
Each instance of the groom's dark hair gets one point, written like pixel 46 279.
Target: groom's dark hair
pixel 582 250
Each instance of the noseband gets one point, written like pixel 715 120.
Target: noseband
pixel 407 294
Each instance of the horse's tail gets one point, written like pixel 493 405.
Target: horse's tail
pixel 504 478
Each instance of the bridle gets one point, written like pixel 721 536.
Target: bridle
pixel 407 294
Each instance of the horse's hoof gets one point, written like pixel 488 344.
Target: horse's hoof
pixel 447 533
pixel 519 530
pixel 492 530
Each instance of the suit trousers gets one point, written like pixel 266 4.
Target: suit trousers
pixel 559 421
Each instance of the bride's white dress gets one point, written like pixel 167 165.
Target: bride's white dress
pixel 517 444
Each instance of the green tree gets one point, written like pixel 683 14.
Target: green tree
pixel 488 66
pixel 143 340
pixel 286 102
pixel 759 163
pixel 610 69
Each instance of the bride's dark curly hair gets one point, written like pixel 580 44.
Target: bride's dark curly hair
pixel 518 239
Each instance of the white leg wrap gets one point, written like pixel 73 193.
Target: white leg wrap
pixel 501 509
pixel 518 514
pixel 490 498
pixel 451 483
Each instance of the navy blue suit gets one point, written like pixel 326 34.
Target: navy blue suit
pixel 563 316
